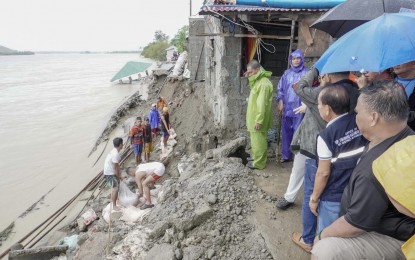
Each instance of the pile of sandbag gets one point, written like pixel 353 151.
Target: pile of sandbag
pixel 129 204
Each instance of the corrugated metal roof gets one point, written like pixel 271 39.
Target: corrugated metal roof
pixel 248 9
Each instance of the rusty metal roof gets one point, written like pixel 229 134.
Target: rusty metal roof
pixel 227 8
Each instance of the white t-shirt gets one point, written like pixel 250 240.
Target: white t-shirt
pixel 153 167
pixel 323 150
pixel 112 157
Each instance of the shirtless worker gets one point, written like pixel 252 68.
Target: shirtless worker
pixel 146 174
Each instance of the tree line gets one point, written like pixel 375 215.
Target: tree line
pixel 156 50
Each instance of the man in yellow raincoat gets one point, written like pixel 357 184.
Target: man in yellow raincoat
pixel 394 170
pixel 259 113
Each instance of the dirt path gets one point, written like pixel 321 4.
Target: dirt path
pixel 276 226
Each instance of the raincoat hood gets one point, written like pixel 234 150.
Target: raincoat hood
pixel 260 74
pixel 296 53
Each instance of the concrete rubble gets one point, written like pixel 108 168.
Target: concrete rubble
pixel 41 253
pixel 204 216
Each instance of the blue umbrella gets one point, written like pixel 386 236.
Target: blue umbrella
pixel 382 43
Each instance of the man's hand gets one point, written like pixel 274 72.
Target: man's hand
pixel 301 109
pixel 316 240
pixel 280 106
pixel 313 207
pixel 257 126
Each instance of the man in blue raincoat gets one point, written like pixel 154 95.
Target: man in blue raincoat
pixel 154 118
pixel 288 101
pixel 259 113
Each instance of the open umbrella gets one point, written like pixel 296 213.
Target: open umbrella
pixel 352 13
pixel 382 43
pixel 130 68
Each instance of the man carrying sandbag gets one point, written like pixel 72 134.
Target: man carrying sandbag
pixel 146 175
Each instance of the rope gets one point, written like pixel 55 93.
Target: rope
pixel 103 150
pixel 109 227
pixel 259 42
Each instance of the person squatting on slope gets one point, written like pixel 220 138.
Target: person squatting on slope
pixel 259 112
pixel 146 174
pixel 288 101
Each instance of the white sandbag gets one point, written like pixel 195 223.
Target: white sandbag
pixel 172 133
pixel 114 214
pixel 89 216
pixel 186 74
pixel 180 63
pixel 126 197
pixel 155 192
pixel 132 214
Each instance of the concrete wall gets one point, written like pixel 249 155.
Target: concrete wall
pixel 224 93
pixel 197 48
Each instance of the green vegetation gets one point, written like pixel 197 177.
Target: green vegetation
pixel 156 50
pixel 179 40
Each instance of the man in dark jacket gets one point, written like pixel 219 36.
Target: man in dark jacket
pixel 305 140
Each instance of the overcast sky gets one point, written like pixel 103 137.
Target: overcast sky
pixel 93 25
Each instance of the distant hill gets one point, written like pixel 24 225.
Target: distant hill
pixel 7 51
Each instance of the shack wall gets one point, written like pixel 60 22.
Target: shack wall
pixel 197 49
pixel 223 84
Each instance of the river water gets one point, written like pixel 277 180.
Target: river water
pixel 52 109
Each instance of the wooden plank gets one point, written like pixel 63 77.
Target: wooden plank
pixel 246 36
pixel 305 31
pixel 291 40
pixel 320 39
pixel 273 24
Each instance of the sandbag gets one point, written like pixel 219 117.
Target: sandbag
pixel 71 242
pixel 126 197
pixel 172 133
pixel 179 66
pixel 133 214
pixel 107 215
pixel 89 216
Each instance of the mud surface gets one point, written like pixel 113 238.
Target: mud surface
pixel 210 205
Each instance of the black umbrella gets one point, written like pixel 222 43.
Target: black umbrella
pixel 352 13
